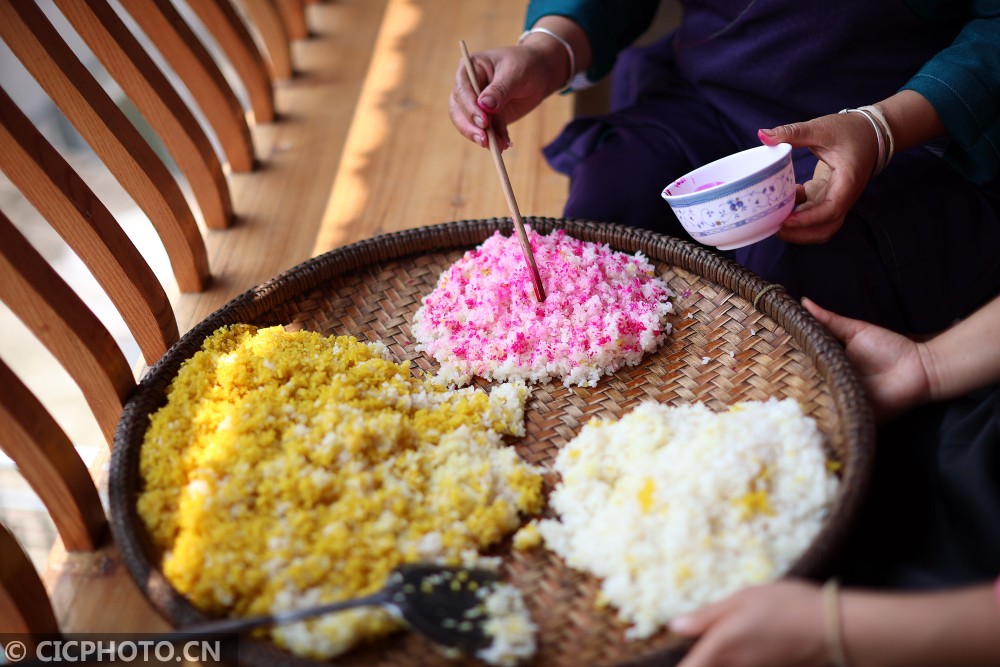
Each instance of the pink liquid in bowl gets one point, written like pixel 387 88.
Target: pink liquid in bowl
pixel 709 185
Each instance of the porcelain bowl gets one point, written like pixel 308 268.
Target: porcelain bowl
pixel 737 200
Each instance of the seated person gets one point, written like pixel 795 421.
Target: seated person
pixel 912 248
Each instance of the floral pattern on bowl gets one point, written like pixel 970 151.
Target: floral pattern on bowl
pixel 738 200
pixel 740 208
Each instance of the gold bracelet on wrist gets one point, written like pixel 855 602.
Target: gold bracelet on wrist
pixel 833 626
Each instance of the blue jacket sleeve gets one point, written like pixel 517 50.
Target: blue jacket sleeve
pixel 611 26
pixel 962 82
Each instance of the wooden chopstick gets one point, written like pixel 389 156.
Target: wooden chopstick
pixel 505 183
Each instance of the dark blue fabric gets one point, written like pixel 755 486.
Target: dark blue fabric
pixel 932 518
pixel 921 247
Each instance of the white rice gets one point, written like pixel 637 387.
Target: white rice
pixel 676 507
pixel 509 626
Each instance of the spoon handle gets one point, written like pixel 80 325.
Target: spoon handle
pixel 238 625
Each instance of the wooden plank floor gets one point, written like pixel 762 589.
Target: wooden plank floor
pixel 278 206
pixel 404 164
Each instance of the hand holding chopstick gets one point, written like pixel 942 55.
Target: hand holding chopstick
pixel 505 183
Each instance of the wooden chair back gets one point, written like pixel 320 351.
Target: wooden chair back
pixel 272 32
pixel 45 302
pixel 24 604
pixel 49 59
pixel 237 42
pixel 31 437
pixel 188 56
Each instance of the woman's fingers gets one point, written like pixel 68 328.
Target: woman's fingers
pixel 472 114
pixel 511 82
pixel 501 134
pixel 465 114
pixel 808 134
pixel 843 328
pixel 696 623
pixel 840 174
pixel 824 207
pixel 819 211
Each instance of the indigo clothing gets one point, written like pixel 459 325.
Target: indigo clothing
pixel 922 246
pixel 962 79
pixel 932 517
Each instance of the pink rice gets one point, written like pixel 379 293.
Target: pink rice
pixel 603 309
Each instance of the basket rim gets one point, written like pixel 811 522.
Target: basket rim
pixel 767 298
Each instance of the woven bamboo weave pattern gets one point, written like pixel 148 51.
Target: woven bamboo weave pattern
pixel 722 350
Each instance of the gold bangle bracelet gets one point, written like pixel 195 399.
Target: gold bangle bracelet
pixel 832 619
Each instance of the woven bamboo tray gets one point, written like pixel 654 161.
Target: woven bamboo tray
pixel 757 341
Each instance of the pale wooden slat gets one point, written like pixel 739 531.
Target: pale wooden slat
pixel 404 164
pixel 293 15
pixel 50 464
pixel 93 591
pixel 24 605
pixel 66 326
pixel 281 205
pixel 60 73
pixel 234 38
pixel 192 62
pixel 265 20
pixel 61 196
pixel 155 98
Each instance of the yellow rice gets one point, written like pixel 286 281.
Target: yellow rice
pixel 289 469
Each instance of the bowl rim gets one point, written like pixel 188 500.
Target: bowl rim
pixel 781 160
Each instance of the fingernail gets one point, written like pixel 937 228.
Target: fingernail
pixel 765 135
pixel 478 138
pixel 681 624
pixel 480 123
pixel 487 103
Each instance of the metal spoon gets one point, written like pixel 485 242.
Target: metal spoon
pixel 442 603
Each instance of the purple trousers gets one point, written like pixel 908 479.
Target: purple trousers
pixel 920 249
